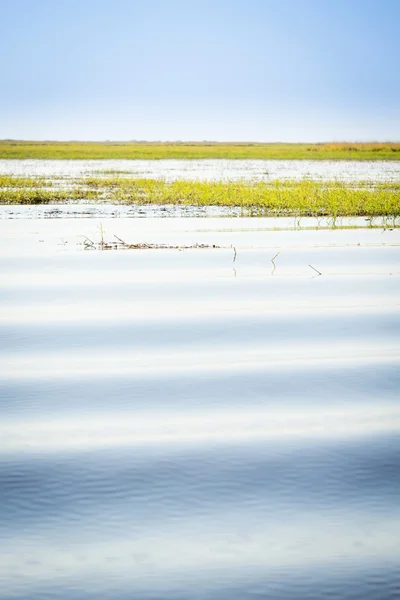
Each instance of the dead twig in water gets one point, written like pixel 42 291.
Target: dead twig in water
pixel 120 244
pixel 88 243
pixel 273 262
pixel 316 270
pixel 124 243
pixel 102 232
pixel 146 246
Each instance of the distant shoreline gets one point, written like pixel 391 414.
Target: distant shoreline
pixel 53 150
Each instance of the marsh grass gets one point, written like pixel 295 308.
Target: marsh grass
pixel 45 196
pixel 259 198
pixel 299 198
pixel 23 182
pixel 195 150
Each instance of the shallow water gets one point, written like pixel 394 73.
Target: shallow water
pixel 89 210
pixel 216 169
pixel 197 424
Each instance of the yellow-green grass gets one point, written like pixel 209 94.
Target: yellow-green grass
pixel 305 197
pixel 195 150
pixel 44 196
pixel 23 182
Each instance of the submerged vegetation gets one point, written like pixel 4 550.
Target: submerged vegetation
pixel 299 198
pixel 195 150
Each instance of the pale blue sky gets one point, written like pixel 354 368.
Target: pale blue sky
pixel 262 70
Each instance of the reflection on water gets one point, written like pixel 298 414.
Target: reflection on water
pixel 199 425
pixel 214 169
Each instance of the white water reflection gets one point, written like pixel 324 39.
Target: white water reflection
pixel 209 170
pixel 197 429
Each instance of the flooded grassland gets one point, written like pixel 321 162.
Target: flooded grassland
pixel 15 149
pixel 208 410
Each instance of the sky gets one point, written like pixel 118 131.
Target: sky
pixel 223 70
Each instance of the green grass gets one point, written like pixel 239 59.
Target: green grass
pixel 23 182
pixel 301 198
pixel 196 150
pixel 41 196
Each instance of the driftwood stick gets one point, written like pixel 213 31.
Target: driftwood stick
pixel 316 270
pixel 273 262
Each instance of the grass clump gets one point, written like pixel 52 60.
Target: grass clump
pixel 298 198
pixel 37 195
pixel 16 149
pixel 11 181
pixel 303 198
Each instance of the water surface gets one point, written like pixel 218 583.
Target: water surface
pixel 209 170
pixel 199 424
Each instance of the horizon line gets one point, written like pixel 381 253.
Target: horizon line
pixel 200 142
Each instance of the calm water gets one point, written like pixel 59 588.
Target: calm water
pixel 215 169
pixel 195 425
